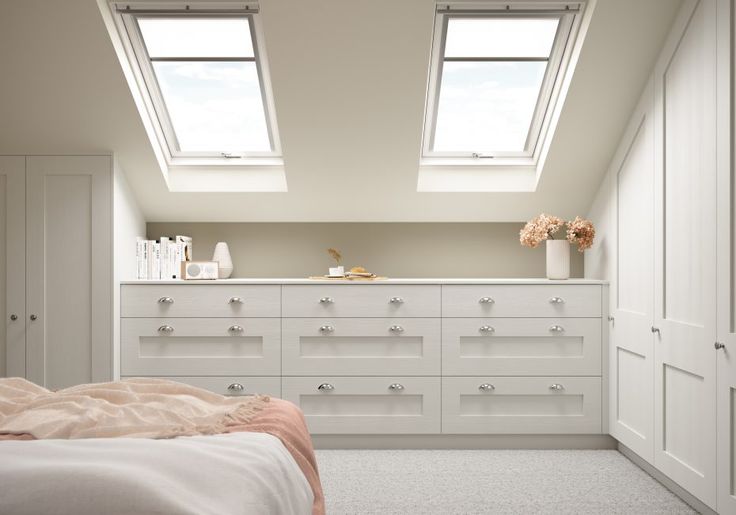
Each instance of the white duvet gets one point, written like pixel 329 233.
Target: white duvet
pixel 238 473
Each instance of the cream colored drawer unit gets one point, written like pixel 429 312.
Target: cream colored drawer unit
pixel 233 385
pixel 521 346
pixel 367 405
pixel 512 300
pixel 200 346
pixel 361 346
pixel 361 300
pixel 200 300
pixel 521 405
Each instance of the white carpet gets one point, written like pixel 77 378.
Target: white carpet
pixel 499 481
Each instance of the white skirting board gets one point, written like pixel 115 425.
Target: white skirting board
pixel 683 494
pixel 463 442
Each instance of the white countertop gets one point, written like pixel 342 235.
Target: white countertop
pixel 437 280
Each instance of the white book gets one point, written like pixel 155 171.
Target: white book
pixel 149 259
pixel 173 261
pixel 156 260
pixel 144 261
pixel 165 261
pixel 140 250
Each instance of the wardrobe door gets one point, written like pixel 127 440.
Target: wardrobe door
pixel 69 269
pixel 685 253
pixel 632 288
pixel 12 266
pixel 725 347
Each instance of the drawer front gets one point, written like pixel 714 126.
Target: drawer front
pixel 231 385
pixel 521 405
pixel 361 300
pixel 361 346
pixel 366 405
pixel 200 346
pixel 510 300
pixel 521 346
pixel 190 300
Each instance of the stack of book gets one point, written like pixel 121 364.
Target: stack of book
pixel 161 259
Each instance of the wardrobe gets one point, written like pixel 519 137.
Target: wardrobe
pixel 58 273
pixel 665 215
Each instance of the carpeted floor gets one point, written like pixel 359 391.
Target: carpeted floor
pixel 415 482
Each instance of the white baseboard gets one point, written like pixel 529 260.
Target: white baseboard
pixel 463 442
pixel 673 487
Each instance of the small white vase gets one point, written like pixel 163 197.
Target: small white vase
pixel 224 261
pixel 558 259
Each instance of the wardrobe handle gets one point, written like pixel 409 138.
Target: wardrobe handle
pixel 165 300
pixel 720 345
pixel 656 330
pixel 325 387
pixel 34 317
pixel 486 387
pixel 13 317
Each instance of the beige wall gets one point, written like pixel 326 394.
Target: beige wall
pixel 390 249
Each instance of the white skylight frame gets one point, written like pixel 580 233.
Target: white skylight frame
pixel 569 15
pixel 126 15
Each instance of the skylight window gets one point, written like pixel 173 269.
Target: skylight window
pixel 494 76
pixel 206 80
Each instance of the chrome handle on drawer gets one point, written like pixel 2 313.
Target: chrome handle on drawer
pixel 557 329
pixel 165 300
pixel 556 300
pixel 396 329
pixel 396 387
pixel 325 387
pixel 166 329
pixel 486 300
pixel 235 329
pixel 235 300
pixel 396 300
pixel 486 387
pixel 486 329
pixel 556 387
pixel 235 387
pixel 326 300
pixel 327 329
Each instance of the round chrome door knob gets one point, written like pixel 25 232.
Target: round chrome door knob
pixel 327 329
pixel 556 387
pixel 396 300
pixel 325 387
pixel 165 300
pixel 235 300
pixel 33 317
pixel 486 387
pixel 326 300
pixel 166 329
pixel 719 345
pixel 486 329
pixel 557 329
pixel 486 300
pixel 396 329
pixel 396 387
pixel 235 329
pixel 556 300
pixel 13 317
pixel 235 387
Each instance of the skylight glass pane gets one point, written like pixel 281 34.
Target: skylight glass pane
pixel 196 37
pixel 487 106
pixel 500 37
pixel 214 106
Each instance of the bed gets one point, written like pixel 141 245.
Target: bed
pixel 152 446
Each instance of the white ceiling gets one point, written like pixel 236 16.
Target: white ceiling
pixel 349 81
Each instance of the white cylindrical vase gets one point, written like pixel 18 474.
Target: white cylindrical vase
pixel 558 259
pixel 224 261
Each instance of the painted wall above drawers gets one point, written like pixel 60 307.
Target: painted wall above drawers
pixel 402 356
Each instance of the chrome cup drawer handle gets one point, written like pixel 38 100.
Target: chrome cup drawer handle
pixel 235 387
pixel 486 329
pixel 235 300
pixel 396 300
pixel 166 329
pixel 557 329
pixel 235 329
pixel 556 387
pixel 486 300
pixel 396 387
pixel 325 387
pixel 327 329
pixel 556 300
pixel 396 329
pixel 486 387
pixel 326 300
pixel 165 300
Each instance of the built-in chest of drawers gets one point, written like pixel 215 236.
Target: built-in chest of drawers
pixel 390 357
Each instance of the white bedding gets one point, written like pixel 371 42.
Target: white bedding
pixel 238 473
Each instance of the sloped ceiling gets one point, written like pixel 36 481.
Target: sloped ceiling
pixel 349 79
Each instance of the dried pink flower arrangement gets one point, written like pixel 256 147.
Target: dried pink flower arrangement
pixel 582 232
pixel 538 229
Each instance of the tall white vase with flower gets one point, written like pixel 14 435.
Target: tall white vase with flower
pixel 544 227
